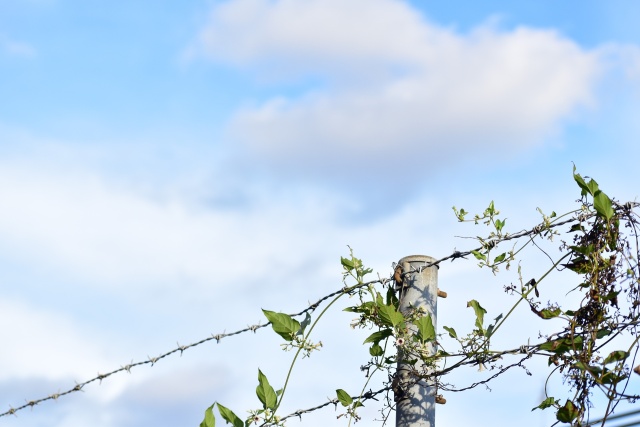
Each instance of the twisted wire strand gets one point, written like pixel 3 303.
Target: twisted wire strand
pixel 525 351
pixel 366 396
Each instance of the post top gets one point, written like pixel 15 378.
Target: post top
pixel 417 258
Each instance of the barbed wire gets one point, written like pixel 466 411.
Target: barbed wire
pixel 527 350
pixel 616 416
pixel 253 328
pixel 369 395
pixel 153 360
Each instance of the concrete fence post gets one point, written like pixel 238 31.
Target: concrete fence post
pixel 418 287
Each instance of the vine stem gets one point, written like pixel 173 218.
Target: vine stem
pixel 293 362
pixel 524 296
pixel 369 376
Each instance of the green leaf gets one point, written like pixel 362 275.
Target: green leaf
pixel 489 331
pixel 616 356
pixel 562 345
pixel 553 345
pixel 347 263
pixel 548 402
pixel 306 322
pixel 584 250
pixel 576 227
pixel 500 257
pixel 366 308
pixel 479 255
pixel 209 418
pixel 426 331
pixel 344 397
pixel 283 324
pixel 392 299
pixel 550 314
pixel 378 336
pixel 364 272
pixel 354 264
pixel 583 185
pixel 491 327
pixel 567 413
pixel 602 333
pixel 611 296
pixel 452 332
pixel 411 362
pixel 593 370
pixel 375 350
pixel 460 213
pixel 379 300
pixel 480 312
pixel 603 205
pixel 390 316
pixel 229 416
pixel 610 377
pixel 491 209
pixel 579 265
pixel 593 187
pixel 265 392
pixel 601 202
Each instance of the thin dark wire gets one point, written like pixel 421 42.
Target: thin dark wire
pixel 635 423
pixel 616 416
pixel 366 396
pixel 527 350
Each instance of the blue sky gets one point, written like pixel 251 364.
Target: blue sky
pixel 169 168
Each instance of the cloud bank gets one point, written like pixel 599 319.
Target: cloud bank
pixel 396 89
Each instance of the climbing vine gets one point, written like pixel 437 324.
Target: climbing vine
pixel 594 351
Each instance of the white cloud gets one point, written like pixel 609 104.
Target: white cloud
pixel 99 231
pixel 81 225
pixel 622 57
pixel 335 34
pixel 400 88
pixel 178 385
pixel 42 343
